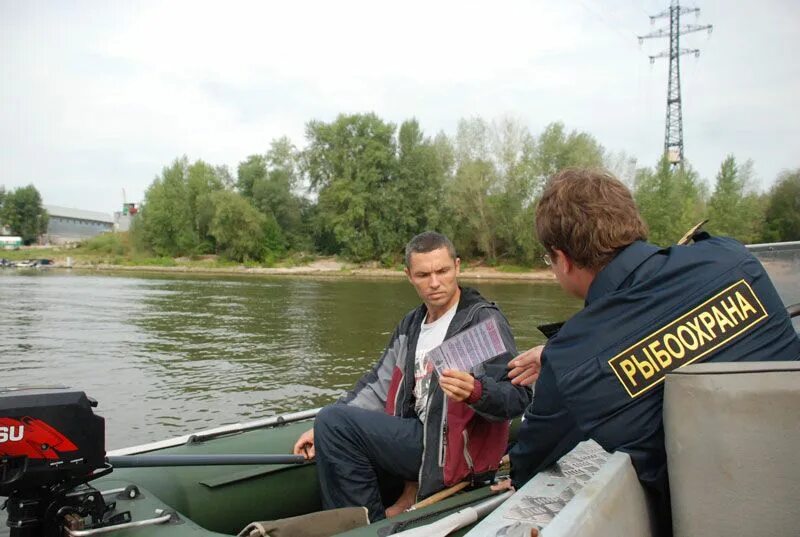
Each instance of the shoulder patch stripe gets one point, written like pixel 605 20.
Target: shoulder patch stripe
pixel 696 333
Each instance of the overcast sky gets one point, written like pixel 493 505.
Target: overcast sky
pixel 100 96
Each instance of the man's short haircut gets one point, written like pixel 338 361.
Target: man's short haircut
pixel 428 241
pixel 589 215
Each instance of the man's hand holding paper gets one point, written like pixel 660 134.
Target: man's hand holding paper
pixel 456 357
pixel 457 385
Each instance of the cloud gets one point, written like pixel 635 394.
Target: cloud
pixel 102 96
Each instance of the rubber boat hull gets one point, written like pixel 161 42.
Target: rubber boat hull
pixel 213 501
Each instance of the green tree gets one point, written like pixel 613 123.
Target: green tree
pixel 2 197
pixel 444 154
pixel 418 190
pixel 556 150
pixel 732 209
pixel 177 210
pixel 166 216
pixel 22 212
pixel 224 175
pixel 470 190
pixel 271 182
pixel 239 229
pixel 275 194
pixel 519 183
pixel 250 171
pixel 202 180
pixel 670 200
pixel 783 209
pixel 500 169
pixel 351 165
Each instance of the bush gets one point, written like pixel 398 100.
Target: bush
pixel 117 244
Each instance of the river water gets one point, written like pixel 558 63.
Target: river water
pixel 167 355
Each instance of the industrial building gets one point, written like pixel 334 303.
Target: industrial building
pixel 73 225
pixel 124 218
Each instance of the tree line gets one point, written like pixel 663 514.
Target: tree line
pixel 362 186
pixel 21 212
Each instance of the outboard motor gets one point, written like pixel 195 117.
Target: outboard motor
pixel 51 445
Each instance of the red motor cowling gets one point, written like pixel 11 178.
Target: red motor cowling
pixel 48 436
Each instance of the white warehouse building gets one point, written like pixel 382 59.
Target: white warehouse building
pixel 73 225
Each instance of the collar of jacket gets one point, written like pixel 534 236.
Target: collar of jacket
pixel 610 278
pixel 469 301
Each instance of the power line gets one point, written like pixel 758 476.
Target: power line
pixel 673 132
pixel 614 25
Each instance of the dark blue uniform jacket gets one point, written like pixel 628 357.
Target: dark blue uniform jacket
pixel 649 311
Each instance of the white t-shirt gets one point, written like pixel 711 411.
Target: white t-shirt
pixel 430 336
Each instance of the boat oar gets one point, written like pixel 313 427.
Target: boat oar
pixel 458 520
pixel 150 461
pixel 439 496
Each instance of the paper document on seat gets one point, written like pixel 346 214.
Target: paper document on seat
pixel 469 348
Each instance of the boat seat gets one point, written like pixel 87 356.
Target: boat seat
pixel 589 493
pixel 732 432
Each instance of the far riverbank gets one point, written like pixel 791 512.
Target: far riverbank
pixel 327 267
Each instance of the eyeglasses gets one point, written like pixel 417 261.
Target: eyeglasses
pixel 547 260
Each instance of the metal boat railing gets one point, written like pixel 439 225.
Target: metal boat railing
pixel 782 262
pixel 217 431
pixel 790 246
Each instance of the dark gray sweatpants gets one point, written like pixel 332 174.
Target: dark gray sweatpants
pixel 353 446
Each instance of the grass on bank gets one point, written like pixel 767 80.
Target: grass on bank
pixel 116 249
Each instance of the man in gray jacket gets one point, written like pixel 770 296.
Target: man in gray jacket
pixel 404 421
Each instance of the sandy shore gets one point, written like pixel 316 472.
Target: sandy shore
pixel 328 268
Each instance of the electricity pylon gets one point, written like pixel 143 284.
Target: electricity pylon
pixel 673 134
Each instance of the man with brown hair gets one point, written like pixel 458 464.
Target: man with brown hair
pixel 648 311
pixel 403 421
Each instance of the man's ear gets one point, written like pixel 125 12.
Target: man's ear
pixel 458 266
pixel 565 261
pixel 408 273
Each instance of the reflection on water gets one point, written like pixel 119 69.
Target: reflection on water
pixel 166 355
